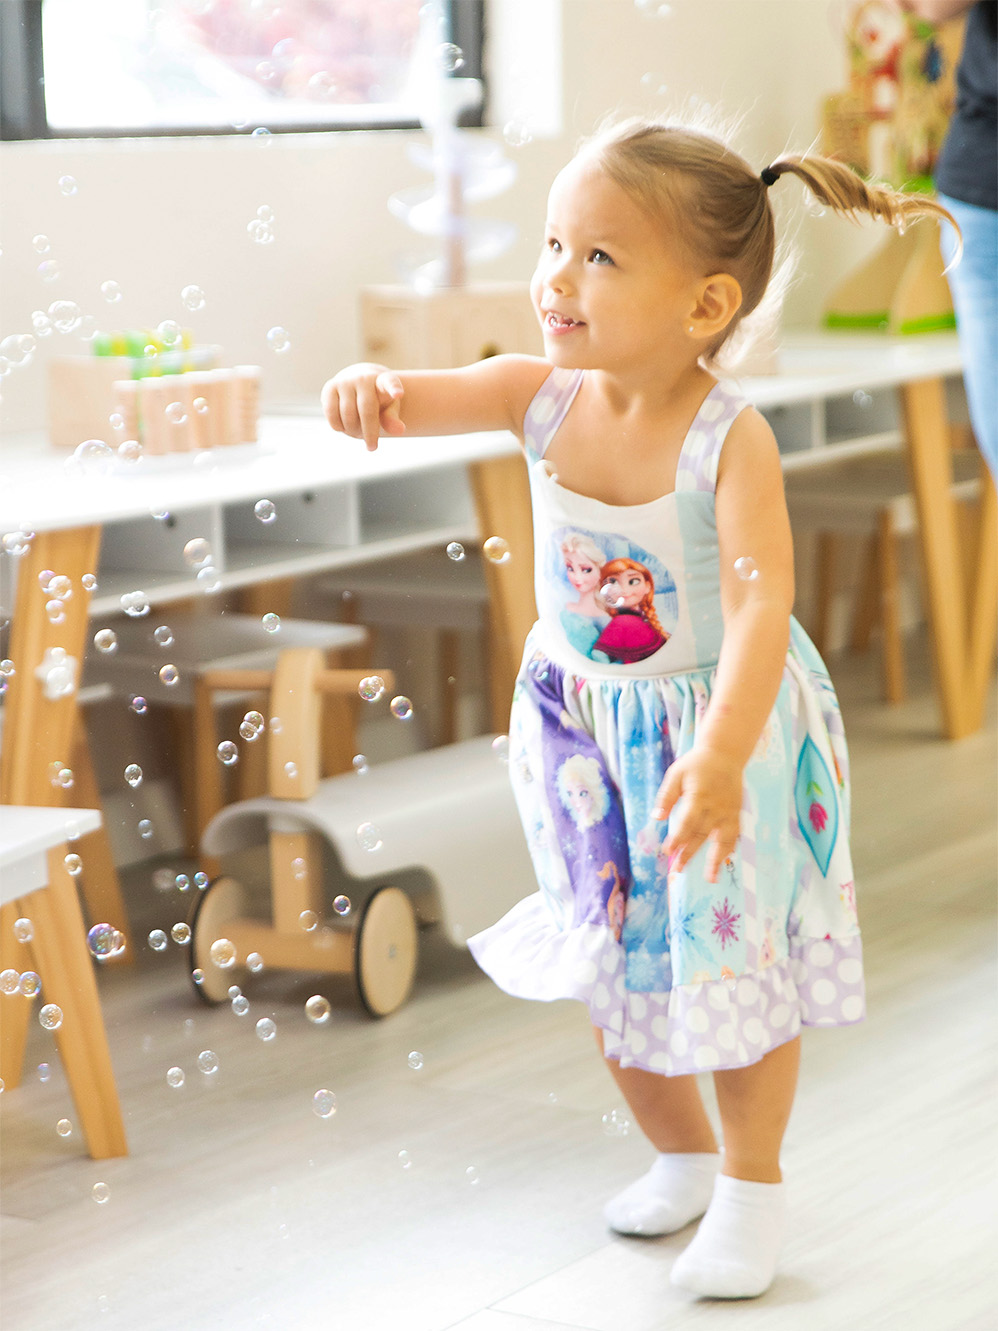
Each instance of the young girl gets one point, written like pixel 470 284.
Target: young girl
pixel 722 752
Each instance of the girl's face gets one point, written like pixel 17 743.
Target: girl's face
pixel 609 290
pixel 583 574
pixel 624 591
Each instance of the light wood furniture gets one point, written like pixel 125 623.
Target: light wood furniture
pixel 409 329
pixel 868 498
pixel 35 884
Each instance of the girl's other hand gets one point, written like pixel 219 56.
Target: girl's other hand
pixel 711 786
pixel 364 401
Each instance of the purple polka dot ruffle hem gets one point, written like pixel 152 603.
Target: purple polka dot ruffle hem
pixel 709 1026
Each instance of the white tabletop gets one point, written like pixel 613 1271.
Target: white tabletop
pixel 26 833
pixel 298 451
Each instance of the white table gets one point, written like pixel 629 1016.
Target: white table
pixel 34 884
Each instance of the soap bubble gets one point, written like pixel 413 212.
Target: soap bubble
pixel 616 1123
pixel 30 984
pixel 183 883
pixel 170 333
pixel 209 579
pixel 200 880
pixel 208 1061
pixel 89 582
pixel 64 1128
pixel 197 975
pixel 60 586
pixel 111 292
pixel 169 675
pixel 863 399
pixel 157 940
pixel 266 1029
pixel 401 708
pixel 145 829
pixel 240 1005
pixel 7 668
pixel 415 1060
pixel 307 920
pixel 234 991
pixel 17 543
pixel 41 323
pixel 130 450
pixel 517 133
pixel 271 622
pixel 68 185
pixel 265 510
pixel 290 770
pixel 200 405
pixel 746 568
pixel 455 551
pixel 450 56
pixel 223 953
pixel 92 458
pixel 50 1016
pixel 321 86
pixel 251 726
pixel 65 315
pixel 254 962
pixel 137 703
pixel 368 837
pixel 175 1077
pixel 135 604
pixel 60 775
pixel 260 232
pixel 74 865
pixel 175 413
pixel 360 764
pixel 341 905
pixel 371 688
pixel 105 941
pixel 10 981
pixel 41 244
pixel 163 636
pixel 500 747
pixel 181 933
pixel 227 753
pixel 405 1159
pixel 472 1175
pixel 24 930
pixel 197 551
pixel 48 271
pixel 193 298
pixel 496 550
pixel 317 1010
pixel 56 612
pixel 279 340
pixel 324 1104
pixel 133 774
pixel 44 1072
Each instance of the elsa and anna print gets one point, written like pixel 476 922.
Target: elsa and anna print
pixel 614 603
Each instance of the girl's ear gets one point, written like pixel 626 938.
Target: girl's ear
pixel 717 301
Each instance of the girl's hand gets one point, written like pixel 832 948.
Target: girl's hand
pixel 711 785
pixel 364 401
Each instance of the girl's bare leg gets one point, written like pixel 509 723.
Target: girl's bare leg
pixel 755 1104
pixel 668 1110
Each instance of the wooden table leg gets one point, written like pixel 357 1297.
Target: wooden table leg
pixel 15 1011
pixel 99 883
pixel 927 438
pixel 502 499
pixel 68 980
pixel 984 600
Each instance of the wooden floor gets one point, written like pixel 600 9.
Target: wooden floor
pixel 239 1208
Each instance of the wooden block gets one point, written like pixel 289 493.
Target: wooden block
pixel 81 397
pixel 450 326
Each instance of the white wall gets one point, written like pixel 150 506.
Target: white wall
pixel 156 215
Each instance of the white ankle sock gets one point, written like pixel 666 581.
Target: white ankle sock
pixel 675 1191
pixel 735 1250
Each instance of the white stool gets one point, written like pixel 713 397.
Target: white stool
pixel 208 642
pixel 425 590
pixel 867 496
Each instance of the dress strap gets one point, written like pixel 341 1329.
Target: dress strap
pixel 701 449
pixel 548 408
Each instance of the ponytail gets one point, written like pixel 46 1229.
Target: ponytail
pixel 841 188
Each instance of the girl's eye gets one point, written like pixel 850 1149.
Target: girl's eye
pixel 553 245
pixel 601 256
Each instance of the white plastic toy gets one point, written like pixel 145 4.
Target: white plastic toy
pixel 357 860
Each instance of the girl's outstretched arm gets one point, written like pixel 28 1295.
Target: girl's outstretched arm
pixel 367 400
pixel 757 594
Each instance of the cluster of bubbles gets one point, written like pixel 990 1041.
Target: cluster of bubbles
pixel 261 227
pixel 616 1123
pixel 26 983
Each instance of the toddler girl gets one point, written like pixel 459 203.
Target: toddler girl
pixel 712 813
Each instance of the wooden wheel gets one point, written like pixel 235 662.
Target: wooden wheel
pixel 385 950
pixel 221 901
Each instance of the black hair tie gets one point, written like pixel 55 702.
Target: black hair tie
pixel 768 176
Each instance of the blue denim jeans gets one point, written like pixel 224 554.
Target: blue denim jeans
pixel 974 284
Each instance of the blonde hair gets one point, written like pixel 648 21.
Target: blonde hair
pixel 578 544
pixel 718 207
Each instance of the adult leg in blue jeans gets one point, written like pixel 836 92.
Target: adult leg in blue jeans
pixel 974 284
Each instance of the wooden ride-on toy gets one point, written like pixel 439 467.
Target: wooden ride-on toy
pixel 433 836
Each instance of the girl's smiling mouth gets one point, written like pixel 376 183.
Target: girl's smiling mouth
pixel 560 323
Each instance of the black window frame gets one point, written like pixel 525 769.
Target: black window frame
pixel 22 83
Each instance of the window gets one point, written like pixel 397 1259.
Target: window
pixel 142 67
